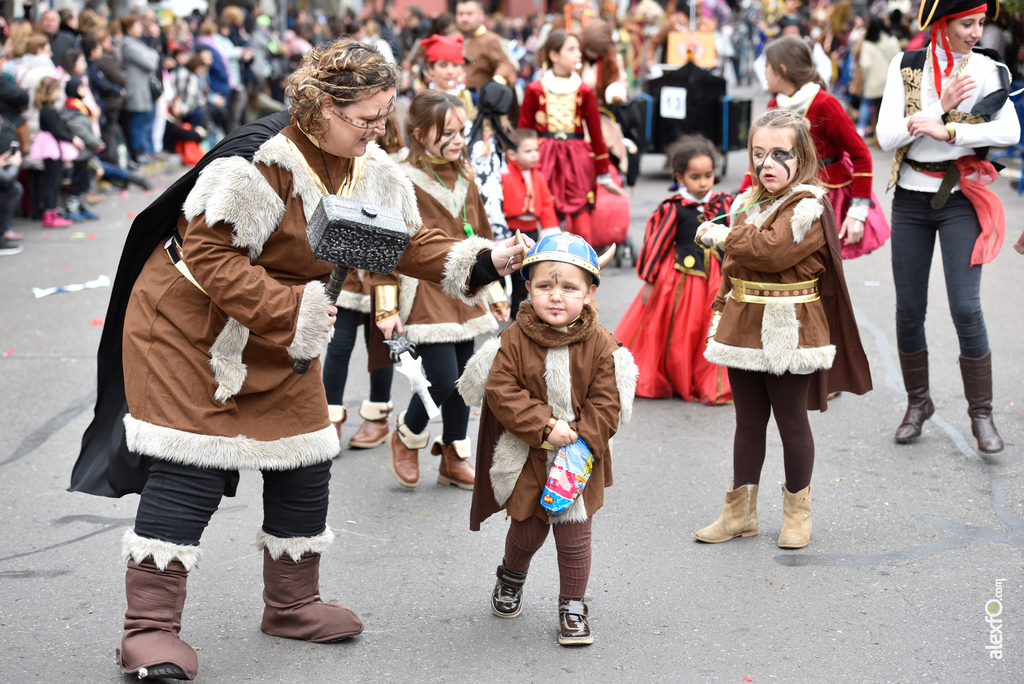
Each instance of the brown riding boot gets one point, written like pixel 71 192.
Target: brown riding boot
pixel 374 429
pixel 337 414
pixel 292 593
pixel 405 454
pixel 796 519
pixel 150 646
pixel 738 517
pixel 455 468
pixel 977 375
pixel 919 403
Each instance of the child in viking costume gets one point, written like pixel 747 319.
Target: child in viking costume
pixel 552 377
pixel 942 108
pixel 441 327
pixel 784 325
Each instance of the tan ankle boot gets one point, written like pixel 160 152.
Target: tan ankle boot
pixel 405 455
pixel 796 519
pixel 455 468
pixel 374 429
pixel 738 518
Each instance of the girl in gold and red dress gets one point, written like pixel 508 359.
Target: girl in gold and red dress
pixel 666 326
pixel 557 106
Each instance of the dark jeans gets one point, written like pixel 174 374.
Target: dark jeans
pixel 442 364
pixel 179 500
pixel 9 199
pixel 914 228
pixel 339 351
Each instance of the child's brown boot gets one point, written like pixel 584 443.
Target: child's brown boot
pixel 507 597
pixel 455 468
pixel 374 429
pixel 739 516
pixel 405 455
pixel 573 628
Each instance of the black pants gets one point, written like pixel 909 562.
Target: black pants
pixel 53 170
pixel 9 199
pixel 79 178
pixel 339 351
pixel 915 227
pixel 442 364
pixel 179 500
pixel 756 396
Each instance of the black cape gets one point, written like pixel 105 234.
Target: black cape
pixel 105 467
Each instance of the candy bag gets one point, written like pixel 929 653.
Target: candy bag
pixel 567 477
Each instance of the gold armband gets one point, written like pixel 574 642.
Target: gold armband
pixel 713 328
pixel 385 302
pixel 495 293
pixel 500 79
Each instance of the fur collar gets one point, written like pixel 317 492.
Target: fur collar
pixel 452 201
pixel 546 336
pixel 759 214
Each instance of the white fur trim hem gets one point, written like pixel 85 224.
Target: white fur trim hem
pixel 311 328
pixel 138 549
pixel 473 383
pixel 626 374
pixel 230 453
pixel 354 301
pixel 295 547
pixel 459 264
pixel 440 333
pixel 411 440
pixel 800 361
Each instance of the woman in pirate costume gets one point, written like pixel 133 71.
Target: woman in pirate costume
pixel 215 319
pixel 943 107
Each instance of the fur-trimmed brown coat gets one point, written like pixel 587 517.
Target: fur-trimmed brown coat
pixel 791 239
pixel 529 374
pixel 208 376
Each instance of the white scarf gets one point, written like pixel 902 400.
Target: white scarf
pixel 800 100
pixel 558 85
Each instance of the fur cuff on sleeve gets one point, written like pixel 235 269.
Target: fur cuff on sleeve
pixel 138 549
pixel 459 264
pixel 296 546
pixel 311 329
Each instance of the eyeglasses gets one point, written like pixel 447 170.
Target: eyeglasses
pixel 380 123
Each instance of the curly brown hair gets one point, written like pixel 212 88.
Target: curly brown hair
pixel 345 70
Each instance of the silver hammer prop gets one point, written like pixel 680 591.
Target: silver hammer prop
pixel 412 368
pixel 353 234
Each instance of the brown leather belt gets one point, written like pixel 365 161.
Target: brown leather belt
pixel 934 167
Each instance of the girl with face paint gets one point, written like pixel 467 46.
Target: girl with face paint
pixel 846 166
pixel 957 106
pixel 783 317
pixel 441 324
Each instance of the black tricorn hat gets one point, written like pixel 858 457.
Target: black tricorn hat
pixel 933 10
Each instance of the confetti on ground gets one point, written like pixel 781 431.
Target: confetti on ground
pixel 77 235
pixel 102 281
pixel 8 352
pixel 46 236
pixel 131 216
pixel 91 236
pixel 63 265
pixel 123 193
pixel 747 679
pixel 98 322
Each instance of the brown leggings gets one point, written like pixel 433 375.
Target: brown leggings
pixel 572 540
pixel 756 395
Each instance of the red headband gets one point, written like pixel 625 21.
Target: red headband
pixel 939 31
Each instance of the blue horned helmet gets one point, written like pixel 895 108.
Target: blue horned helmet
pixel 567 248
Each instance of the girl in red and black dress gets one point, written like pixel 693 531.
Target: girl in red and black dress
pixel 557 106
pixel 681 279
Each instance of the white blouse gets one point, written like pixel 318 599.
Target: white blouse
pixel 891 130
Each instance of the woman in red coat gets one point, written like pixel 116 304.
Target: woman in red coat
pixel 557 106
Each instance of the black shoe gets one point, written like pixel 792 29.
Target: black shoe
pixel 8 248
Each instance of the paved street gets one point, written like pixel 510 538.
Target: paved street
pixel 909 542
